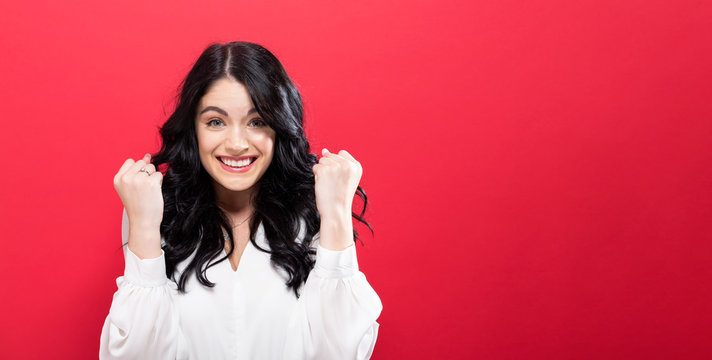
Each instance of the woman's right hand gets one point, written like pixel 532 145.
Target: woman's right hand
pixel 143 200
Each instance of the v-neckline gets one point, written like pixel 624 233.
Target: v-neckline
pixel 242 256
pixel 241 259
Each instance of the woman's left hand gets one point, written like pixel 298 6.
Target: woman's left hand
pixel 336 177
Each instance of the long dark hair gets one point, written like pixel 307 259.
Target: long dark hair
pixel 192 221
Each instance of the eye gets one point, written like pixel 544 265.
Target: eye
pixel 257 122
pixel 214 122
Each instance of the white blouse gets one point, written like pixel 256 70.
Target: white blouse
pixel 249 313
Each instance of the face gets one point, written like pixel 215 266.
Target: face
pixel 235 144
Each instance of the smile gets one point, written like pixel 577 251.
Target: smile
pixel 241 165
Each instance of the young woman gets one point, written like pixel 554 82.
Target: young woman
pixel 244 249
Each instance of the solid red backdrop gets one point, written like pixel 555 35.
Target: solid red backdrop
pixel 539 172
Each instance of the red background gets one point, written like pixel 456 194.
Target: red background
pixel 539 172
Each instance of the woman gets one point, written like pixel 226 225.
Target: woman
pixel 244 249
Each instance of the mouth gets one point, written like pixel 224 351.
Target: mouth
pixel 241 164
pixel 238 163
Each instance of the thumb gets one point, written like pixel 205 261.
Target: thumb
pixel 314 170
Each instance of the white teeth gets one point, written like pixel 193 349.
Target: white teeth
pixel 233 163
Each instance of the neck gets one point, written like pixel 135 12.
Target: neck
pixel 237 204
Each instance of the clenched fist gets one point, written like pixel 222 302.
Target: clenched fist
pixel 140 192
pixel 336 178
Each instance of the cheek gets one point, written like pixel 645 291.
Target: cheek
pixel 265 143
pixel 270 149
pixel 269 144
pixel 205 146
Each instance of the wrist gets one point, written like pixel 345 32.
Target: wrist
pixel 144 226
pixel 336 234
pixel 336 214
pixel 145 252
pixel 145 240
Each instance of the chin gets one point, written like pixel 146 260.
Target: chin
pixel 236 187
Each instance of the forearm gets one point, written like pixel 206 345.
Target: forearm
pixel 336 231
pixel 145 241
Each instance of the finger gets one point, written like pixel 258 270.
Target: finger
pixel 326 154
pixel 316 169
pixel 136 166
pixel 157 176
pixel 127 164
pixel 345 154
pixel 150 168
pixel 348 156
pixel 328 161
pixel 146 160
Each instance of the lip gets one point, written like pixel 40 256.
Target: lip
pixel 237 158
pixel 234 170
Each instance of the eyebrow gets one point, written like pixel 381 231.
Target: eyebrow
pixel 223 112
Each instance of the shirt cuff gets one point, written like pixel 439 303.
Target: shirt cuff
pixel 336 263
pixel 145 272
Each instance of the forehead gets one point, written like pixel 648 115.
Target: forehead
pixel 229 95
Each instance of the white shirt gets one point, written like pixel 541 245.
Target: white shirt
pixel 249 313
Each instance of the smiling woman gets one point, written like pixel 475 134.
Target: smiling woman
pixel 236 151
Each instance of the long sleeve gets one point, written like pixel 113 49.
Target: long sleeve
pixel 142 322
pixel 336 313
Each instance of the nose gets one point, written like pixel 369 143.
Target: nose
pixel 236 140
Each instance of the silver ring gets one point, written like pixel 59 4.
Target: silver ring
pixel 144 170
